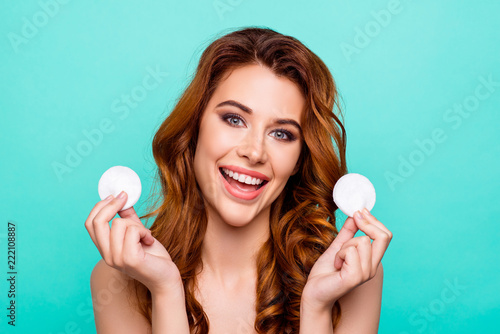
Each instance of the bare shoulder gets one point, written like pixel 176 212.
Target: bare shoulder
pixel 360 307
pixel 114 302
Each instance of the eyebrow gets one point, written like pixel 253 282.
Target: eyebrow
pixel 250 111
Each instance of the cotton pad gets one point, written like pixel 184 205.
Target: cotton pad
pixel 118 179
pixel 353 192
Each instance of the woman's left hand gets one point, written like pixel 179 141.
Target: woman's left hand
pixel 347 262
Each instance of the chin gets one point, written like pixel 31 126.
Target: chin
pixel 237 219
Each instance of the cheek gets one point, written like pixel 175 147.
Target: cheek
pixel 285 159
pixel 215 142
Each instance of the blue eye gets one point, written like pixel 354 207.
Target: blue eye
pixel 232 119
pixel 280 134
pixel 283 134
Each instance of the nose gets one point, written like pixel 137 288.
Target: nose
pixel 253 148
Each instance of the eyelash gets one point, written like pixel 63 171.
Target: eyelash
pixel 290 136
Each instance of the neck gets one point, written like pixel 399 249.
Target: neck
pixel 229 252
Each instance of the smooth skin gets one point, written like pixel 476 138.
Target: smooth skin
pixel 355 279
pixel 350 271
pixel 236 229
pixel 360 306
pixel 130 251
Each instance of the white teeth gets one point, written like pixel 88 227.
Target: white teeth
pixel 242 177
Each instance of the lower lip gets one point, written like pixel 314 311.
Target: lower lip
pixel 246 195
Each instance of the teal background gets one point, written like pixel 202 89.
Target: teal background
pixel 70 73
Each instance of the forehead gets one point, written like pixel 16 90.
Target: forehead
pixel 261 90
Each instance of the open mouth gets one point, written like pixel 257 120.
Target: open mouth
pixel 242 185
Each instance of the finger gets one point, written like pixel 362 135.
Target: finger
pixel 346 233
pixel 133 252
pixel 365 225
pixel 351 270
pixel 368 215
pixel 379 246
pixel 337 263
pixel 365 256
pixel 359 242
pixel 116 240
pixel 88 222
pixel 147 238
pixel 129 213
pixel 132 215
pixel 101 226
pixel 381 238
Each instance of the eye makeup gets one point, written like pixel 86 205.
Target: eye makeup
pixel 228 116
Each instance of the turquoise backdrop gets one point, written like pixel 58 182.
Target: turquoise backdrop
pixel 84 85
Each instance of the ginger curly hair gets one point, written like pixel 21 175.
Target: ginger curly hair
pixel 302 219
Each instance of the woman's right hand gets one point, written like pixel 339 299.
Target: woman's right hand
pixel 129 247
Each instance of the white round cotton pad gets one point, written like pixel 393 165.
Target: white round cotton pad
pixel 119 178
pixel 353 192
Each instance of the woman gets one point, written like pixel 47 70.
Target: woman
pixel 244 237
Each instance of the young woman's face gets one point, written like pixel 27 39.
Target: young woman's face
pixel 251 129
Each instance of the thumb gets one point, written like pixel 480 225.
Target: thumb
pixel 346 233
pixel 130 212
pixel 145 235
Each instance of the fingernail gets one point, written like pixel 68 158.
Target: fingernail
pixel 121 195
pixel 365 210
pixel 358 215
pixel 109 197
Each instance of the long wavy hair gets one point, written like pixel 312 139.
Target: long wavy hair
pixel 302 218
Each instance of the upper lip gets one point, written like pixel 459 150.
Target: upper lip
pixel 246 172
